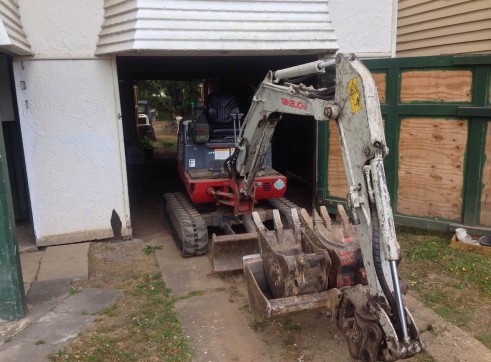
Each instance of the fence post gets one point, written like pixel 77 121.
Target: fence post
pixel 11 283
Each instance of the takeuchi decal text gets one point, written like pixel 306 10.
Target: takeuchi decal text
pixel 294 104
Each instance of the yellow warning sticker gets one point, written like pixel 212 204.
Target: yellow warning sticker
pixel 354 95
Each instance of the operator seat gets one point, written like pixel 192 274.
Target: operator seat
pixel 221 113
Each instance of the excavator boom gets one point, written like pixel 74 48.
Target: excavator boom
pixel 302 261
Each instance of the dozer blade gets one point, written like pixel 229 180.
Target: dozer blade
pixel 264 306
pixel 227 251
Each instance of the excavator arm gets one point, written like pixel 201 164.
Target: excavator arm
pixel 373 318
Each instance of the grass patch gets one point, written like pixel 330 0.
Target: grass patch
pixel 149 249
pixel 466 268
pixel 7 340
pixel 484 338
pixel 74 290
pixel 40 342
pixel 150 331
pixel 423 357
pixel 165 144
pixel 109 311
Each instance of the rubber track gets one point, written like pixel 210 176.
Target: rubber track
pixel 284 206
pixel 191 233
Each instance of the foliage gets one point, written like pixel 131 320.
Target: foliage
pixel 169 98
pixel 146 143
pixel 149 249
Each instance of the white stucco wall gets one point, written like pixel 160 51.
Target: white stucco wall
pixel 365 27
pixel 68 107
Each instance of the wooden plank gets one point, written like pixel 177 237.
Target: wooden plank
pixel 431 167
pixel 381 82
pixel 336 176
pixel 436 86
pixel 486 180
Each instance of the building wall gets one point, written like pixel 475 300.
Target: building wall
pixel 68 96
pixel 68 107
pixel 366 28
pixel 438 27
pixel 248 27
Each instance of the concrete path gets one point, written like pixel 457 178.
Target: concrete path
pixel 55 317
pixel 216 329
pixel 445 341
pixel 56 314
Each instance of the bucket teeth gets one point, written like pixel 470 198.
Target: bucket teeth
pixel 346 226
pixel 257 221
pixel 305 217
pixel 325 217
pixel 278 225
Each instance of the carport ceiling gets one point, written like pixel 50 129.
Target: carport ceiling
pixel 196 67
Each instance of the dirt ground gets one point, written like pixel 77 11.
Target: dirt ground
pixel 121 264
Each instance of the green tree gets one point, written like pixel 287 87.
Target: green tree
pixel 169 98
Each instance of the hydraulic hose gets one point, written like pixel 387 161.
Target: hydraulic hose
pixel 377 261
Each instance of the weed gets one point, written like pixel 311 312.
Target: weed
pixel 424 357
pixel 74 290
pixel 194 293
pixel 7 340
pixel 485 339
pixel 56 355
pixel 289 340
pixel 259 326
pixel 40 342
pixel 149 249
pixel 289 325
pixel 109 311
pixel 233 291
pixel 166 144
pixel 459 317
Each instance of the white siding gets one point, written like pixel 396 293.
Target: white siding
pixel 12 37
pixel 216 27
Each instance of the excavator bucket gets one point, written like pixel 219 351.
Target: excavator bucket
pixel 290 274
pixel 264 306
pixel 227 251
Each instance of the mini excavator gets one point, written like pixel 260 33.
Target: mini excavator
pixel 348 269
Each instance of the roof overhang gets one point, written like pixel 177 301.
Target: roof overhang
pixel 216 28
pixel 13 40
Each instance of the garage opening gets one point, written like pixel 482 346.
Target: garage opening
pixel 293 144
pixel 14 152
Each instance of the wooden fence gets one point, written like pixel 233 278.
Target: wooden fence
pixel 436 112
